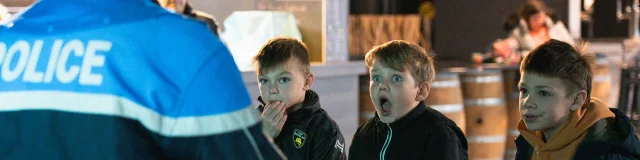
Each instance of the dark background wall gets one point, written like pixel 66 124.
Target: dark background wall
pixel 461 27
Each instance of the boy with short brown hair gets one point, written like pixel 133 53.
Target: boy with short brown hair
pixel 291 111
pixel 404 127
pixel 560 119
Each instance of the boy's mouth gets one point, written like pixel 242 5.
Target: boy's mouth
pixel 531 117
pixel 273 102
pixel 385 105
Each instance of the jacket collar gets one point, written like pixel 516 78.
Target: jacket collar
pixel 408 118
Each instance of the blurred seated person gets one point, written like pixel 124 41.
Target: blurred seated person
pixel 185 8
pixel 533 28
pixel 4 13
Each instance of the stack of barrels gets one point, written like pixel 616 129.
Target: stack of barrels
pixel 446 97
pixel 486 112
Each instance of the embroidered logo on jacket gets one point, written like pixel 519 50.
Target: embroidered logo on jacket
pixel 299 137
pixel 339 146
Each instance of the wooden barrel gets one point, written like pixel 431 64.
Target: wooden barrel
pixel 486 113
pixel 446 97
pixel 601 85
pixel 511 76
pixel 367 109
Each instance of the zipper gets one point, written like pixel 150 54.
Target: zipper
pixel 386 143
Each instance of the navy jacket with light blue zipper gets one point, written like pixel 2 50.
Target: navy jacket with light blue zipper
pixel 423 133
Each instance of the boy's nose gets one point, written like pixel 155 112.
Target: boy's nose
pixel 527 103
pixel 384 87
pixel 273 90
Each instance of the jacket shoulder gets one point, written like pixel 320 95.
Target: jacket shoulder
pixel 432 119
pixel 320 121
pixel 611 138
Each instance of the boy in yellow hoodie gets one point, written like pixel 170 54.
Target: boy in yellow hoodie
pixel 560 119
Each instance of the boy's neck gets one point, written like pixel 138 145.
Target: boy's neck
pixel 548 133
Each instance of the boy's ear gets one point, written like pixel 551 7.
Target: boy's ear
pixel 308 81
pixel 423 91
pixel 579 99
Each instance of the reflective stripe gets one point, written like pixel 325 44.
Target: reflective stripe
pixel 484 102
pixel 486 139
pixel 448 108
pixel 482 79
pixel 111 105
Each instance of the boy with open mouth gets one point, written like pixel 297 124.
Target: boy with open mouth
pixel 404 127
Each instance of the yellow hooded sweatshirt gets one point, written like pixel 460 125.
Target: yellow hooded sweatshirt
pixel 564 143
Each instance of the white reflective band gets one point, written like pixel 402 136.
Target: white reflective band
pixel 112 105
pixel 367 115
pixel 484 102
pixel 445 84
pixel 601 78
pixel 482 79
pixel 487 139
pixel 448 108
pixel 514 132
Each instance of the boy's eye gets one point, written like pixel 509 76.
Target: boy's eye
pixel 544 93
pixel 376 78
pixel 397 78
pixel 284 80
pixel 263 81
pixel 523 91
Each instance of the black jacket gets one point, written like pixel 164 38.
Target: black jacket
pixel 423 133
pixel 309 132
pixel 610 139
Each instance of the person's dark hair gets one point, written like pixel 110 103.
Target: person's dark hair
pixel 280 50
pixel 533 7
pixel 511 23
pixel 557 59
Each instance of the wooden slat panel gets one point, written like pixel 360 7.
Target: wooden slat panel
pixel 16 3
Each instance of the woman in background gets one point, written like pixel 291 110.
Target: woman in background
pixel 533 28
pixel 4 13
pixel 184 7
